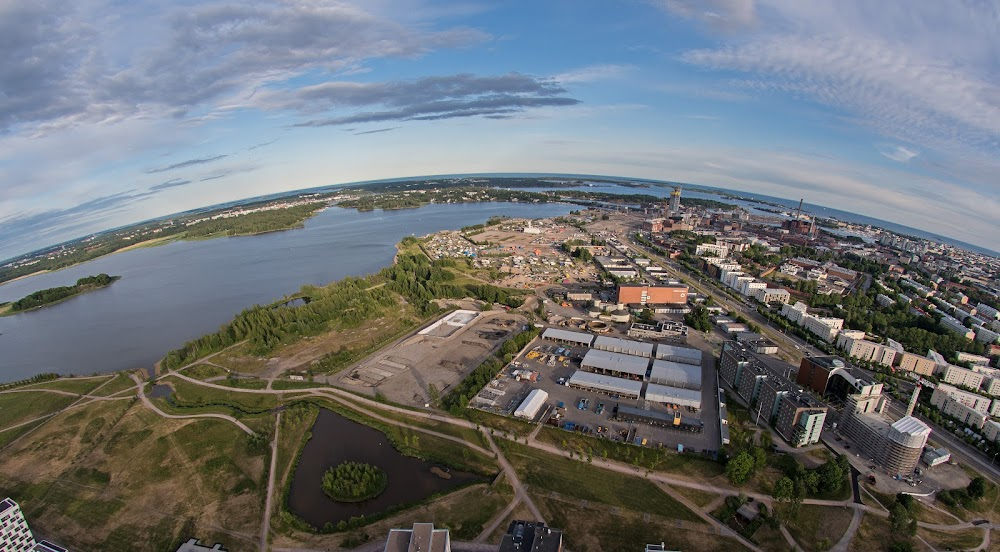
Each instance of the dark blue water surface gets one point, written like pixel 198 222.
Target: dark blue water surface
pixel 176 292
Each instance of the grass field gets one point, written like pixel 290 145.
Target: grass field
pixel 204 371
pixel 818 528
pixel 874 534
pixel 8 436
pixel 115 476
pixel 192 394
pixel 119 383
pixel 579 480
pixel 21 406
pixel 80 386
pixel 468 434
pixel 699 498
pixel 690 465
pixel 598 527
pixel 500 423
pixel 966 539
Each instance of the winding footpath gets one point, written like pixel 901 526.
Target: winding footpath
pixel 149 404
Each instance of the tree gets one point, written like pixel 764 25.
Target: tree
pixel 784 490
pixel 831 476
pixel 976 488
pixel 740 467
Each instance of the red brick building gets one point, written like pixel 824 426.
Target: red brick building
pixel 653 295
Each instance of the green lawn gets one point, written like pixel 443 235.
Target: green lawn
pixel 578 479
pixel 80 386
pixel 654 459
pixel 818 528
pixel 597 528
pixel 8 436
pixel 204 371
pixel 22 406
pixel 119 383
pixel 189 394
pixel 966 539
pixel 500 423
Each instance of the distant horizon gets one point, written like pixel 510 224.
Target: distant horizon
pixel 883 109
pixel 908 230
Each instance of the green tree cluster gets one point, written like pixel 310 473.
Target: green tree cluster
pixel 698 319
pixel 458 399
pixel 56 294
pixel 255 223
pixel 354 482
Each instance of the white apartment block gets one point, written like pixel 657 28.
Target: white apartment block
pixel 794 313
pixel 856 347
pixel 973 359
pixel 773 295
pixel 825 328
pixel 956 375
pixel 711 249
pixel 751 287
pixel 966 415
pixel 991 430
pixel 991 386
pixel 975 401
pixel 15 535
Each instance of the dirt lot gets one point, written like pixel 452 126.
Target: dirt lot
pixel 405 371
pixel 510 392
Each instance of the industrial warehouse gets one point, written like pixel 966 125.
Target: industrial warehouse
pixel 647 393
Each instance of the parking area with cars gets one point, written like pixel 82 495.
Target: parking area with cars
pixel 548 366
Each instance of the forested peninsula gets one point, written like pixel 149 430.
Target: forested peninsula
pixel 54 295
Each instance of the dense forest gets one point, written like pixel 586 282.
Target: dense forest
pixel 255 223
pixel 343 304
pixel 56 294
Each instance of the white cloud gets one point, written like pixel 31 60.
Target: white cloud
pixel 901 154
pixel 593 73
pixel 918 72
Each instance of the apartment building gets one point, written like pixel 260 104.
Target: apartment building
pixel 956 375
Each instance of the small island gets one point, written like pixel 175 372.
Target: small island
pixel 354 482
pixel 55 295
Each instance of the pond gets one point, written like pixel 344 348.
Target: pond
pixel 336 439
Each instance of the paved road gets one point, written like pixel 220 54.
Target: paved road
pixel 149 404
pixel 266 526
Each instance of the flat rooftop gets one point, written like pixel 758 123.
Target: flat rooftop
pixel 606 383
pixel 667 372
pixel 606 360
pixel 627 346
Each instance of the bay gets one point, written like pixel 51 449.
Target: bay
pixel 176 292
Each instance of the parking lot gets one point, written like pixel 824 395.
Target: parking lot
pixel 555 363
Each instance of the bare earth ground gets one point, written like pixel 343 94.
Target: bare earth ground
pixel 404 371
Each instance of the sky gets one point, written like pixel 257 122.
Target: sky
pixel 115 112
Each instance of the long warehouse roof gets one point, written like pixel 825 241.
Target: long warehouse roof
pixel 566 335
pixel 618 362
pixel 606 383
pixel 627 346
pixel 667 372
pixel 689 355
pixel 673 395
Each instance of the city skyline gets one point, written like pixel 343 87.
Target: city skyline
pixel 115 115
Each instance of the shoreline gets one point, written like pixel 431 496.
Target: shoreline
pixel 7 307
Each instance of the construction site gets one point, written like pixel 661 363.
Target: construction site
pixel 433 359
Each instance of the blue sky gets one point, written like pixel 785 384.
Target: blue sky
pixel 115 112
